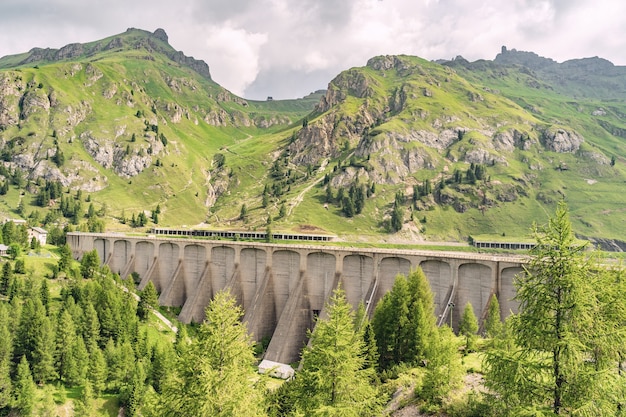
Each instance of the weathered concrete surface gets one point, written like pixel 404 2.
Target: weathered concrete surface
pixel 282 288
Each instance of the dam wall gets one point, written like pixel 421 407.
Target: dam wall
pixel 283 287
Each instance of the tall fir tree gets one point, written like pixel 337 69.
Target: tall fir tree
pixel 548 363
pixel 334 379
pixel 404 322
pixel 493 321
pixel 468 327
pixel 25 389
pixel 214 376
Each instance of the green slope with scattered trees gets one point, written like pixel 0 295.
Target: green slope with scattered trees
pixel 400 150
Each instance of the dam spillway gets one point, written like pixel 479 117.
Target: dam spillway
pixel 283 287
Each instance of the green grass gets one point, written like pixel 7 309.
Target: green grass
pixel 483 100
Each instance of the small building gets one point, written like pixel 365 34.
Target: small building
pixel 38 233
pixel 4 250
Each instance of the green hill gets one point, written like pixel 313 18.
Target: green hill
pixel 400 150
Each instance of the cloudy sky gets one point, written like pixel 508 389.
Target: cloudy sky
pixel 289 48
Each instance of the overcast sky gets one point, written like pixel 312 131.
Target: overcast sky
pixel 289 48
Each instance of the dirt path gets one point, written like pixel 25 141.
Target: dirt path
pixel 300 197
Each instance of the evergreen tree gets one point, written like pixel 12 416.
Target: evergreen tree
pixel 265 199
pixel 65 341
pixel 25 389
pixel 148 299
pixel 334 380
pixel 6 355
pixel 546 363
pixel 444 370
pixel 348 206
pixel 404 322
pixel 97 369
pixel 29 329
pixel 468 327
pixel 162 365
pixel 5 279
pixel 90 326
pixel 214 376
pixel 47 406
pixel 90 264
pixel 397 218
pixel 493 322
pixel 329 194
pixel 44 352
pixel 44 294
pixel 84 406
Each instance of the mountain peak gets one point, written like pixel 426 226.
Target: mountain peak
pixel 131 40
pixel 160 34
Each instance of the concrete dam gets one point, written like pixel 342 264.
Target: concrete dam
pixel 283 287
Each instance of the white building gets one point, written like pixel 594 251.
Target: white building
pixel 38 233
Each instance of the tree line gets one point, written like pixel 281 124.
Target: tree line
pixel 562 354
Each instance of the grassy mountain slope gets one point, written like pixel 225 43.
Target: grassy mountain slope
pixel 436 151
pixel 135 127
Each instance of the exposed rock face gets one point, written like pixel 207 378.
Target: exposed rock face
pixel 511 139
pixel 112 155
pixel 314 143
pixel 11 86
pixel 351 82
pixel 34 100
pixel 561 140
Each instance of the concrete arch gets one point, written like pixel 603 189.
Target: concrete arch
pixel 439 275
pixel 168 263
pixel 103 247
pixel 194 261
pixel 357 276
pixel 390 268
pixel 144 257
pixel 321 268
pixel 222 267
pixel 508 291
pixel 476 285
pixel 285 271
pixel 122 250
pixel 252 265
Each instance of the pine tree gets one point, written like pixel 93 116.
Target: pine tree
pixel 90 264
pixel 5 279
pixel 148 299
pixel 334 380
pixel 444 370
pixel 397 218
pixel 84 407
pixel 348 206
pixel 6 355
pixel 90 326
pixel 44 294
pixel 25 389
pixel 404 322
pixel 44 352
pixel 468 327
pixel 214 376
pixel 493 322
pixel 65 340
pixel 97 369
pixel 545 360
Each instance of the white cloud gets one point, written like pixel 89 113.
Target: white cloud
pixel 236 53
pixel 265 46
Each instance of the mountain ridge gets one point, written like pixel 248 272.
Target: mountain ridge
pixel 401 149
